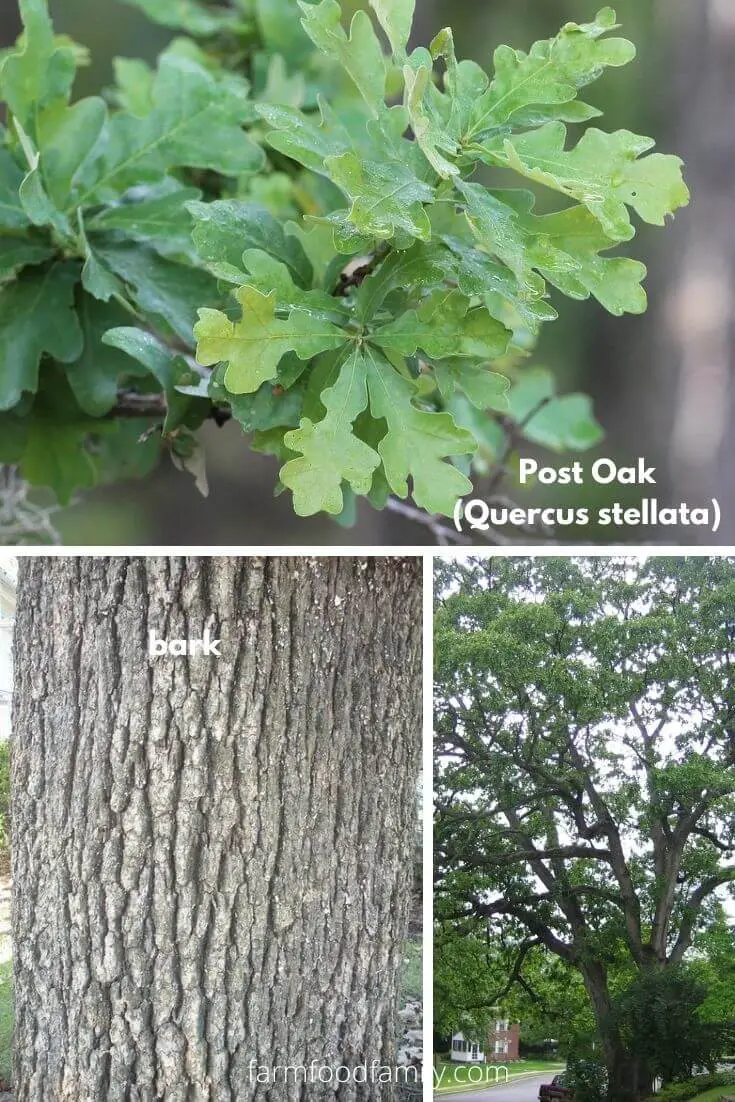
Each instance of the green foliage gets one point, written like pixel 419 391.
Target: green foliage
pixel 660 1015
pixel 319 261
pixel 587 1079
pixel 682 1092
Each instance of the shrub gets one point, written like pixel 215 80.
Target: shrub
pixel 681 1092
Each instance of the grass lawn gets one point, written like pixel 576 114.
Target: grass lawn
pixel 450 1077
pixel 714 1095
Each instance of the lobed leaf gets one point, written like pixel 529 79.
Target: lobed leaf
pixel 445 326
pixel 564 247
pixel 162 221
pixel 36 316
pixel 198 19
pixel 254 345
pixel 605 172
pixel 40 70
pixel 224 229
pixel 359 54
pixel 396 19
pixel 196 121
pixel 386 197
pixel 161 288
pixel 417 442
pixel 550 75
pixel 330 453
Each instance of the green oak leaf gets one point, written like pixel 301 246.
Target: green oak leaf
pixel 200 20
pixel 429 130
pixel 497 226
pixel 162 221
pixel 196 121
pixel 56 455
pixel 57 450
pixel 564 248
pixel 417 443
pixel 445 326
pixel 575 235
pixel 169 368
pixel 317 242
pixel 223 230
pixel 66 136
pixel 12 215
pixel 386 197
pixel 360 55
pixel 33 194
pixel 574 112
pixel 254 345
pixel 478 273
pixel 40 70
pixel 485 389
pixel 36 316
pixel 562 424
pixel 159 286
pixel 17 252
pixel 330 453
pixel 133 85
pixel 550 74
pixel 298 136
pixel 267 274
pixel 396 19
pixel 423 265
pixel 605 172
pixel 38 206
pixel 268 407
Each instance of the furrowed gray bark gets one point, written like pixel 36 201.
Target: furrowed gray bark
pixel 211 856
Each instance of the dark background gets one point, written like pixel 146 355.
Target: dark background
pixel 663 384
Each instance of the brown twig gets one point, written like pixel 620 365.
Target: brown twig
pixel 354 277
pixel 130 404
pixel 443 534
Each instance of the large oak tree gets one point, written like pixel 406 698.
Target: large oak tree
pixel 585 719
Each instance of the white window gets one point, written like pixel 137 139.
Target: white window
pixel 475 1052
pixel 502 1025
pixel 501 1048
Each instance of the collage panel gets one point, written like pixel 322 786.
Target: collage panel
pixel 584 831
pixel 215 829
pixel 366 273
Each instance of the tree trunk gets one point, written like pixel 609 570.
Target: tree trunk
pixel 628 1078
pixel 212 856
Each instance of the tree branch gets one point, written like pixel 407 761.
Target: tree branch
pixel 132 405
pixel 693 908
pixel 514 977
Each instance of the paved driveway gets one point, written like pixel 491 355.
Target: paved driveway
pixel 525 1090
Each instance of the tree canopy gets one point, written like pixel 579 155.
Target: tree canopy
pixel 585 726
